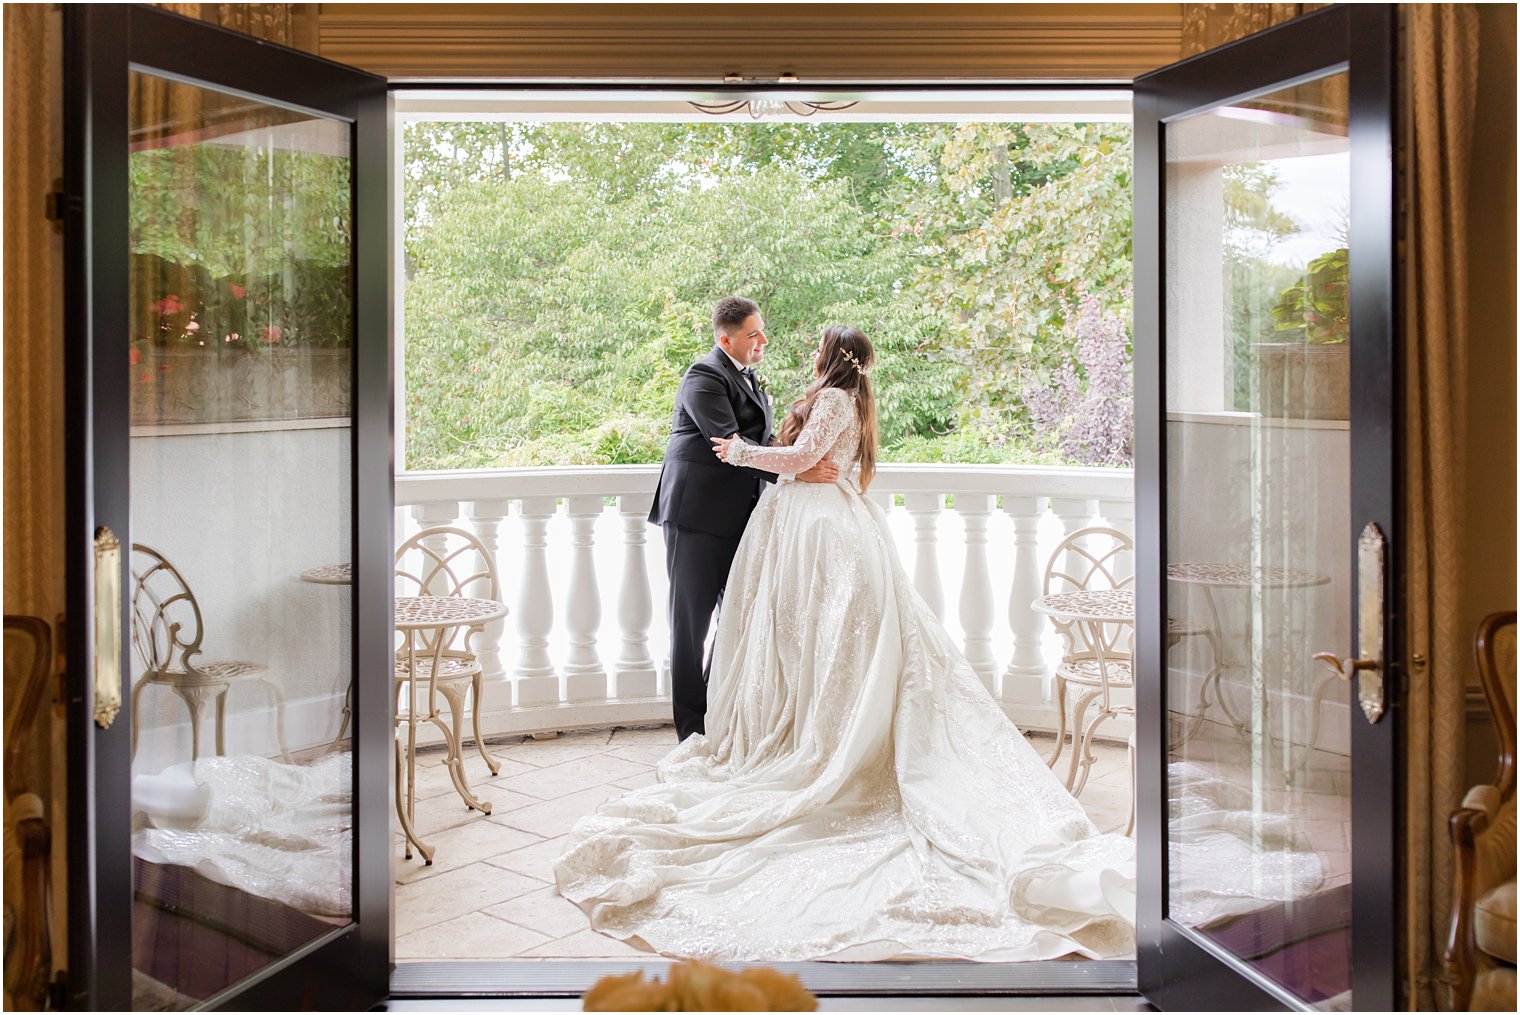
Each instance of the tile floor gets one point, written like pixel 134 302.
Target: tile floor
pixel 489 893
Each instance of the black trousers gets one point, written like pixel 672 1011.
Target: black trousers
pixel 697 563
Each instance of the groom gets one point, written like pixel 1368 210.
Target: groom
pixel 703 505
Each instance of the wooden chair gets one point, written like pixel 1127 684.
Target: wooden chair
pixel 167 631
pixel 1479 958
pixel 31 670
pixel 448 561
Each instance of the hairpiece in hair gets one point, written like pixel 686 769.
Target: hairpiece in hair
pixel 853 361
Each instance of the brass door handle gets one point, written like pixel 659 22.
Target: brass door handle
pixel 1346 668
pixel 108 633
pixel 1371 548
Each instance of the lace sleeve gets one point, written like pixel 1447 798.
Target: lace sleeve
pixel 829 418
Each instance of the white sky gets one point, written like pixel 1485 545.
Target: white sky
pixel 1316 191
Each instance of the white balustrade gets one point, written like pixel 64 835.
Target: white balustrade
pixel 585 677
pixel 1120 515
pixel 485 518
pixel 1026 680
pixel 559 677
pixel 537 681
pixel 1075 513
pixel 634 671
pixel 976 587
pixel 925 509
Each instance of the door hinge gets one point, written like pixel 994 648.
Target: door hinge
pixel 55 206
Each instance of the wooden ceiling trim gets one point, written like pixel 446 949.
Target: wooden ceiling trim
pixel 818 43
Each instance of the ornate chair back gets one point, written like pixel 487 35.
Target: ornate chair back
pixel 447 561
pixel 1090 560
pixel 1496 651
pixel 166 619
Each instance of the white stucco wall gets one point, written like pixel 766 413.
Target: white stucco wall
pixel 1279 488
pixel 242 515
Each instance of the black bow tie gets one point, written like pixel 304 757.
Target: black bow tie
pixel 748 373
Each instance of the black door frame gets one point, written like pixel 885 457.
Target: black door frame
pixel 102 44
pixel 1179 968
pixel 529 978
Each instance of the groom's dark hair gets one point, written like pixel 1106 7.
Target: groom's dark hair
pixel 732 311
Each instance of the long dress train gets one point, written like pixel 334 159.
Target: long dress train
pixel 859 794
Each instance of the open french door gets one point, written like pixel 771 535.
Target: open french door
pixel 1267 482
pixel 226 210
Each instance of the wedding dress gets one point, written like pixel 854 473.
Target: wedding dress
pixel 858 794
pixel 283 832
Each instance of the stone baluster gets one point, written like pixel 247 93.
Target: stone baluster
pixel 441 512
pixel 1120 515
pixel 976 586
pixel 537 683
pixel 496 689
pixel 925 509
pixel 635 673
pixel 1075 513
pixel 585 677
pixel 1025 681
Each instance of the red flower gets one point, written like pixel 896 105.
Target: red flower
pixel 237 290
pixel 270 334
pixel 168 305
pixel 134 356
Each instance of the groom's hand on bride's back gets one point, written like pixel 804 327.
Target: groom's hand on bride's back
pixel 823 472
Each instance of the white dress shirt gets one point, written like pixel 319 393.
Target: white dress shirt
pixel 755 386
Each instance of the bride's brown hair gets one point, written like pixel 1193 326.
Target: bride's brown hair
pixel 843 359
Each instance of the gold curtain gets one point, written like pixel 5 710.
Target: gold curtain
pixel 33 370
pixel 1205 26
pixel 271 22
pixel 158 108
pixel 1441 93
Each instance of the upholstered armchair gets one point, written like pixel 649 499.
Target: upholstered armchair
pixel 1480 949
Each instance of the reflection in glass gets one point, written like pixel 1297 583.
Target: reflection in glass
pixel 1258 385
pixel 239 372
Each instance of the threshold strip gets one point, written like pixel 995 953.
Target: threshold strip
pixel 561 978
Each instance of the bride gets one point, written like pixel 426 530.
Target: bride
pixel 858 795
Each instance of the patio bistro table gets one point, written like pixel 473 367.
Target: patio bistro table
pixel 329 574
pixel 335 574
pixel 416 617
pixel 1092 609
pixel 1210 575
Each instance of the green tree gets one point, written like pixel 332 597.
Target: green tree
pixel 1010 223
pixel 561 286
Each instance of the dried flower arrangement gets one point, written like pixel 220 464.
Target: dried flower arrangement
pixel 699 986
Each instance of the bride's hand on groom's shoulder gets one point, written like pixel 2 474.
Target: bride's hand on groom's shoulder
pixel 720 445
pixel 824 472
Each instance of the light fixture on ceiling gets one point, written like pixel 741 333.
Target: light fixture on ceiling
pixel 756 108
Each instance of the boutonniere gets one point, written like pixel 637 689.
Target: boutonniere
pixel 763 382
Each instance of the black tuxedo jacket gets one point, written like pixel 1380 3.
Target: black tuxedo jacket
pixel 696 491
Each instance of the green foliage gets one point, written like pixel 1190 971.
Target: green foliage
pixel 561 276
pixel 239 247
pixel 1317 310
pixel 1253 281
pixel 1010 223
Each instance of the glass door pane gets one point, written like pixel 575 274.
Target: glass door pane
pixel 240 366
pixel 1258 566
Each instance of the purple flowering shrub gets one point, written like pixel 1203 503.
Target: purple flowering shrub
pixel 1087 409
